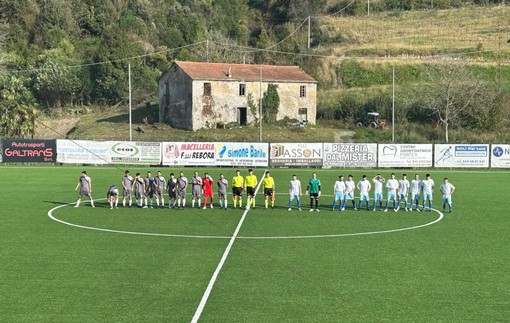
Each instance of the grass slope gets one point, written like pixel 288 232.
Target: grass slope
pixel 455 270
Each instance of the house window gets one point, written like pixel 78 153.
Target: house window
pixel 302 91
pixel 207 89
pixel 242 89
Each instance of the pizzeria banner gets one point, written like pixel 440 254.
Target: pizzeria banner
pixel 500 156
pixel 292 154
pixel 405 155
pixel 82 152
pixel 350 155
pixel 461 156
pixel 29 151
pixel 242 154
pixel 136 153
pixel 189 153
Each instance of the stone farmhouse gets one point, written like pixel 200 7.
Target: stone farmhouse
pixel 195 95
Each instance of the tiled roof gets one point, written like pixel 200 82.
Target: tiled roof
pixel 244 72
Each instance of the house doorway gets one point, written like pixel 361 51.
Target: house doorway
pixel 242 117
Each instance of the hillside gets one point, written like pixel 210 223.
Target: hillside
pixel 75 57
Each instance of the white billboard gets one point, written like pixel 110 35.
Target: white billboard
pixel 405 155
pixel 500 156
pixel 292 154
pixel 189 153
pixel 83 152
pixel 137 153
pixel 242 154
pixel 350 155
pixel 461 155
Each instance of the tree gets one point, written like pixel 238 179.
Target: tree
pixel 3 35
pixel 222 49
pixel 270 103
pixel 57 79
pixel 17 108
pixel 452 91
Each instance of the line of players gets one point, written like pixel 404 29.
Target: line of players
pixel 397 192
pixel 149 188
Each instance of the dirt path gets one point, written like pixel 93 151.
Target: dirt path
pixel 55 129
pixel 344 136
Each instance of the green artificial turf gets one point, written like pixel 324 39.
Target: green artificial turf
pixel 453 270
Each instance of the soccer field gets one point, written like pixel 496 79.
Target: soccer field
pixel 131 264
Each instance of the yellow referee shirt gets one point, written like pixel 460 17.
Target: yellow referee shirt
pixel 250 181
pixel 268 182
pixel 237 181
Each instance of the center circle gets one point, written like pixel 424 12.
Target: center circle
pixel 52 217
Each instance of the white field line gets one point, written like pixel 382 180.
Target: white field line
pixel 50 215
pixel 315 236
pixel 441 215
pixel 210 286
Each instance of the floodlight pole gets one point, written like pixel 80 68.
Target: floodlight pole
pixel 260 106
pixel 130 120
pixel 393 110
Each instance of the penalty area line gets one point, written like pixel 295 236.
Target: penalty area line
pixel 210 286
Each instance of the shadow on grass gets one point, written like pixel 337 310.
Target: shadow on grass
pixel 58 202
pixel 84 203
pixel 137 116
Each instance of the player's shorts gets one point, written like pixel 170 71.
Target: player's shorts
pixel 250 191
pixel 447 199
pixel 114 194
pixel 364 197
pixel 339 196
pixel 237 191
pixel 196 191
pixel 392 196
pixel 127 193
pixel 402 197
pixel 138 194
pixel 149 193
pixel 378 197
pixel 208 193
pixel 268 191
pixel 314 195
pixel 222 194
pixel 427 196
pixel 294 195
pixel 172 194
pixel 349 196
pixel 415 196
pixel 85 192
pixel 158 191
pixel 181 192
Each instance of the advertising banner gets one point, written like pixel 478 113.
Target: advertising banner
pixel 82 152
pixel 500 156
pixel 137 153
pixel 29 151
pixel 292 154
pixel 405 155
pixel 242 154
pixel 461 155
pixel 188 153
pixel 350 155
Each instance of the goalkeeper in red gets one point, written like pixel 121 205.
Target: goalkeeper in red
pixel 207 183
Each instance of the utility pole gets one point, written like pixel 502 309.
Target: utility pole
pixel 309 31
pixel 130 120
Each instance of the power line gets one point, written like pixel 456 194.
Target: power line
pixel 110 61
